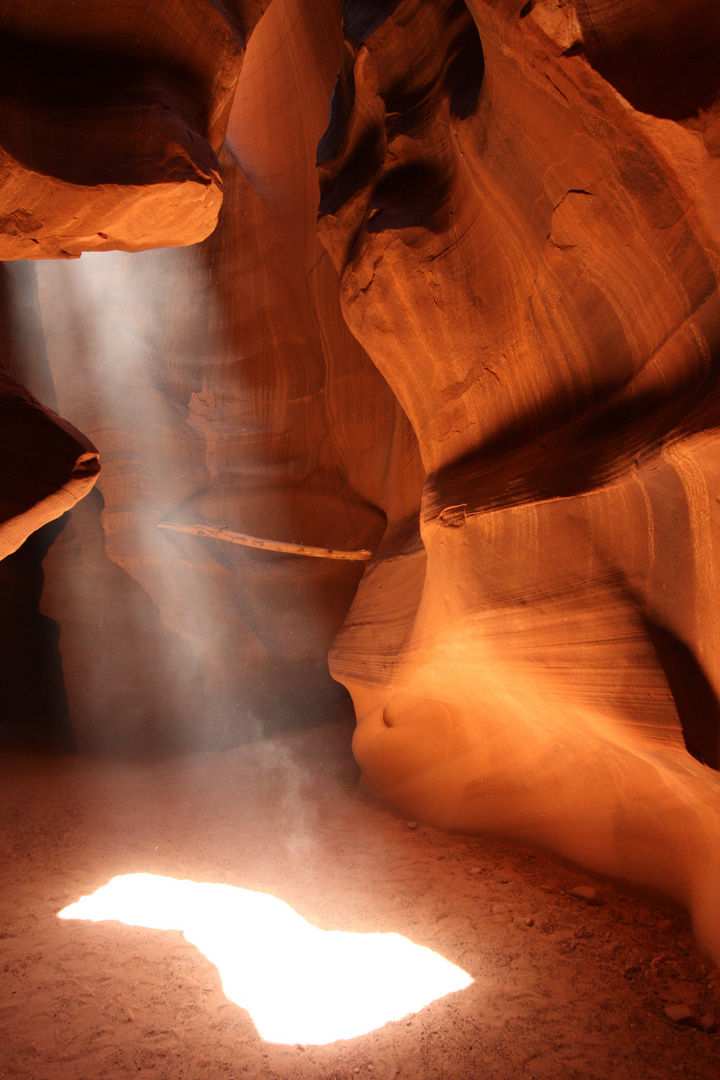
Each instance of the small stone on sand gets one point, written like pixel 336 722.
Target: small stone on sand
pixel 679 1014
pixel 587 893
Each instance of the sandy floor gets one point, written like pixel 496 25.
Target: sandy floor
pixel 562 988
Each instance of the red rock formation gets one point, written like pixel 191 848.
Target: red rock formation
pixel 533 264
pixel 223 389
pixel 47 464
pixel 111 120
pixel 523 204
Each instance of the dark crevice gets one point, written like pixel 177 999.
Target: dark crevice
pixel 465 72
pixel 33 703
pixel 695 699
pixel 53 93
pixel 412 195
pixel 362 17
pixel 667 66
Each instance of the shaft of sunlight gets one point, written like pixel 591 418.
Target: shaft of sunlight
pixel 300 984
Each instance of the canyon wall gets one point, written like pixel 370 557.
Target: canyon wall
pixel 223 389
pixel 532 262
pixel 492 361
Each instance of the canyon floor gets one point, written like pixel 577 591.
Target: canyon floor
pixel 593 984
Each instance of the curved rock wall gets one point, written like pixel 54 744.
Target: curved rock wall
pixel 111 121
pixel 47 464
pixel 533 264
pixel 223 389
pixel 522 203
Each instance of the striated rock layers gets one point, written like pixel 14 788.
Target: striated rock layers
pixel 111 119
pixel 522 203
pixel 532 262
pixel 223 389
pixel 47 464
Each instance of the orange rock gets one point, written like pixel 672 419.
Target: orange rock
pixel 47 464
pixel 223 388
pixel 523 204
pixel 533 264
pixel 112 118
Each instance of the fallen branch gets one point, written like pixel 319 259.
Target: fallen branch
pixel 221 533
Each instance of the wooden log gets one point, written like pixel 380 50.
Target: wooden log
pixel 216 532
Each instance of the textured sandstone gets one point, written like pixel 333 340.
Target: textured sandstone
pixel 111 120
pixel 47 465
pixel 522 202
pixel 223 388
pixel 533 264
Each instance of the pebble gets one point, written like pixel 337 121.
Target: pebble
pixel 708 1023
pixel 412 824
pixel 475 870
pixel 679 1014
pixel 529 921
pixel 587 893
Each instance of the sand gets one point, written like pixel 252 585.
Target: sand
pixel 562 987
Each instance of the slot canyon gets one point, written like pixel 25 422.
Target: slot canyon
pixel 360 539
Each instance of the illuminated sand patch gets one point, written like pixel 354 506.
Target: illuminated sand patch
pixel 300 984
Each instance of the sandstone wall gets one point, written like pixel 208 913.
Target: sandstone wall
pixel 518 250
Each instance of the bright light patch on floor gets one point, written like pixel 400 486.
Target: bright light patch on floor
pixel 299 984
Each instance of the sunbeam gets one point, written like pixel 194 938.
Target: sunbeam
pixel 299 983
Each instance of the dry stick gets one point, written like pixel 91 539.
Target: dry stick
pixel 222 533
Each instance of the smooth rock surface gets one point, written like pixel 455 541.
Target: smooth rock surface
pixel 223 388
pixel 532 262
pixel 111 121
pixel 47 464
pixel 522 204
